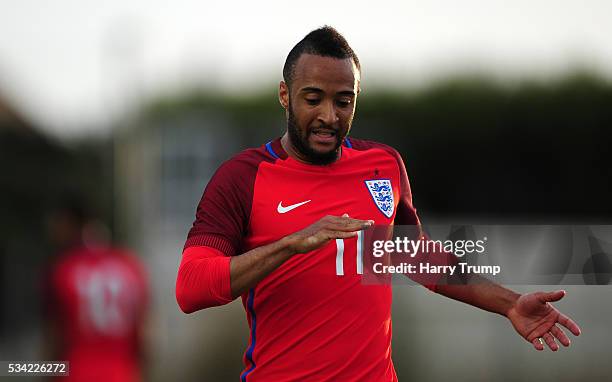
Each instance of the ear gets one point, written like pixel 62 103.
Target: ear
pixel 283 95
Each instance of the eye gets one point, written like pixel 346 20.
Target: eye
pixel 343 102
pixel 312 101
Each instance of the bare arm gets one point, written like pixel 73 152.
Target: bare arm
pixel 532 315
pixel 249 268
pixel 481 293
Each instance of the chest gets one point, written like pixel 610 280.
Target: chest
pixel 287 199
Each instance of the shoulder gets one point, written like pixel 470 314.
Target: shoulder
pixel 231 186
pixel 69 258
pixel 243 165
pixel 363 145
pixel 65 264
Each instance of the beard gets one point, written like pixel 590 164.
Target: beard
pixel 299 140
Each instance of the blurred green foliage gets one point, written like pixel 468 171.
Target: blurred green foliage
pixel 474 147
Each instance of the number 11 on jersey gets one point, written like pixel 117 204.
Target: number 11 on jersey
pixel 340 255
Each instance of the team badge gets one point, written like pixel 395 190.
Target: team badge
pixel 382 194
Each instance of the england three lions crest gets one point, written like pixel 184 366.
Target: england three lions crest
pixel 382 194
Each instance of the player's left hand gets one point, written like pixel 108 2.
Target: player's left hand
pixel 534 318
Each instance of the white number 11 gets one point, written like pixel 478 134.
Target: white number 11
pixel 340 255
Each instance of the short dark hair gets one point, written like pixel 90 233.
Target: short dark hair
pixel 326 42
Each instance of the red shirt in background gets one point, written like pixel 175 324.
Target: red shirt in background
pixel 98 301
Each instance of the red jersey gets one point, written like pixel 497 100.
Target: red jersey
pixel 98 301
pixel 312 319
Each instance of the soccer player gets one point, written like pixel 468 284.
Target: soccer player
pixel 97 296
pixel 277 226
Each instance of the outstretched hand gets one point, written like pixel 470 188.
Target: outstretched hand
pixel 534 318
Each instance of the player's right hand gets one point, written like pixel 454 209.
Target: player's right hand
pixel 327 228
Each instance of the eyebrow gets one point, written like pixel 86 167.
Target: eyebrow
pixel 311 89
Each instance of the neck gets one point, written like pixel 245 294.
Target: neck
pixel 295 154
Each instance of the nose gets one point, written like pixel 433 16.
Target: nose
pixel 328 114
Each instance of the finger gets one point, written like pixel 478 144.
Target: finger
pixel 342 234
pixel 538 344
pixel 552 296
pixel 349 224
pixel 560 335
pixel 346 218
pixel 550 341
pixel 569 324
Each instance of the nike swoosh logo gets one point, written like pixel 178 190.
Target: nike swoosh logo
pixel 282 210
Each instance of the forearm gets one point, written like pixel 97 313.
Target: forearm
pixel 208 278
pixel 251 267
pixel 481 293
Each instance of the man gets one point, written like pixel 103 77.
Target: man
pixel 276 225
pixel 97 298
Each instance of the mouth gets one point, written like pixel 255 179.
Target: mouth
pixel 324 133
pixel 324 136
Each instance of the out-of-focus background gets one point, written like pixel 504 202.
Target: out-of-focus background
pixel 501 111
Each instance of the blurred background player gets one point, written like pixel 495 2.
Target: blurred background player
pixel 96 299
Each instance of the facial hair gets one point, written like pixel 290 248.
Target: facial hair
pixel 299 141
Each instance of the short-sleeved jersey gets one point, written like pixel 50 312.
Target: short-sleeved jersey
pixel 97 299
pixel 312 319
